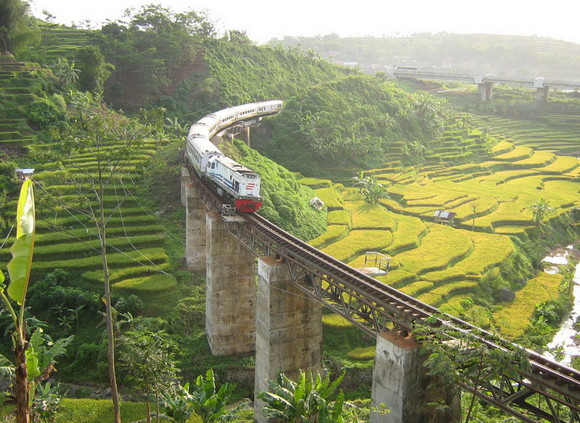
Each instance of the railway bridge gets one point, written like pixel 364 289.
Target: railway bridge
pixel 265 293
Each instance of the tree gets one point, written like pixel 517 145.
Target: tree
pixel 108 139
pixel 147 357
pixel 370 188
pixel 541 209
pixel 458 359
pixel 17 30
pixel 35 355
pixel 19 269
pixel 307 400
pixel 65 71
pixel 93 70
pixel 474 207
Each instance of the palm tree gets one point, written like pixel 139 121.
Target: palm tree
pixel 541 209
pixel 370 188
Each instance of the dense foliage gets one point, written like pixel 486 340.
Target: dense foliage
pixel 350 122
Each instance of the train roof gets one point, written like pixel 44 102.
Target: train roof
pixel 232 164
pixel 203 146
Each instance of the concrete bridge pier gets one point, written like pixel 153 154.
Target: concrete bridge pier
pixel 485 90
pixel 288 329
pixel 400 383
pixel 230 292
pixel 195 248
pixel 542 94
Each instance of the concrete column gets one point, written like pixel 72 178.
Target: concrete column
pixel 185 181
pixel 542 94
pixel 194 226
pixel 288 329
pixel 485 90
pixel 230 292
pixel 401 384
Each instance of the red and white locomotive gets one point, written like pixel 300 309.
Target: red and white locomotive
pixel 232 180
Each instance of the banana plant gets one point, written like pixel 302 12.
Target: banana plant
pixel 310 399
pixel 19 270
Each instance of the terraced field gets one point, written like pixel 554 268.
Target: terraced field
pixel 555 133
pixel 444 264
pixel 15 93
pixel 67 237
pixel 63 41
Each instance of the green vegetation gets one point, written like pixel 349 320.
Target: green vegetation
pixel 350 123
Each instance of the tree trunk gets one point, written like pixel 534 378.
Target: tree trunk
pixel 22 394
pixel 147 404
pixel 110 326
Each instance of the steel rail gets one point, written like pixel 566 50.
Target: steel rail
pixel 412 309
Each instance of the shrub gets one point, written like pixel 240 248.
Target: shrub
pixel 131 304
pixel 44 112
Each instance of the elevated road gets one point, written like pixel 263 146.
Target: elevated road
pixel 540 83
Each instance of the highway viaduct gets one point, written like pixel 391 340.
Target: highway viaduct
pixel 485 82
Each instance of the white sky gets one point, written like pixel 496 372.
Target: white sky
pixel 267 19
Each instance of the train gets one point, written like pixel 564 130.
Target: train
pixel 232 181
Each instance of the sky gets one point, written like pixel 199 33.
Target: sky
pixel 264 20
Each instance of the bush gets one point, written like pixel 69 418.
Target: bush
pixel 44 112
pixel 131 304
pixel 54 292
pixel 86 359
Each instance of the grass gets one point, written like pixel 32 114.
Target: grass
pixel 333 233
pixel 331 197
pixel 439 248
pixel 489 250
pixel 98 411
pixel 408 234
pixel 357 243
pixel 514 318
pixel 340 217
pixel 369 216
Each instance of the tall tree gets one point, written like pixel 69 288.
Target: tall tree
pixel 17 29
pixel 108 139
pixel 93 71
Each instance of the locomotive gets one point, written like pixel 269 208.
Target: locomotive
pixel 232 180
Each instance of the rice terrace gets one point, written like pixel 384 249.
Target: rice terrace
pixel 445 265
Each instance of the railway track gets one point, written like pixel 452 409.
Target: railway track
pixel 552 380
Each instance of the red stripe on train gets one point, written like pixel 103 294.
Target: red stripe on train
pixel 248 206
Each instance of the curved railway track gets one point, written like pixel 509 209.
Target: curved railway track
pixel 292 248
